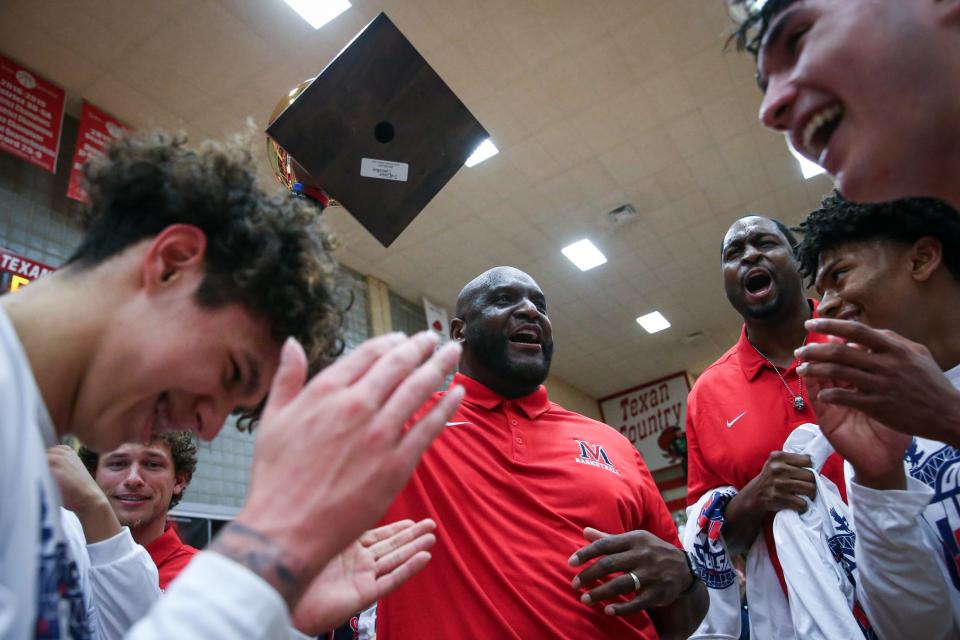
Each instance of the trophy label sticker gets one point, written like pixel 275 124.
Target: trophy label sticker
pixel 384 169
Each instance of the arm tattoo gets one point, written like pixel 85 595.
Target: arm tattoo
pixel 261 555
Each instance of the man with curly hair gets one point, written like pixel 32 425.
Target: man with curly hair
pixel 886 268
pixel 193 294
pixel 142 483
pixel 865 88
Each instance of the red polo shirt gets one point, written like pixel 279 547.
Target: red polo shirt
pixel 171 555
pixel 738 412
pixel 511 485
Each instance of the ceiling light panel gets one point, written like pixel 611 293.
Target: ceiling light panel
pixel 584 254
pixel 653 322
pixel 485 151
pixel 319 12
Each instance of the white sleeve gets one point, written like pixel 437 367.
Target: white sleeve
pixel 818 607
pixel 216 597
pixel 900 586
pixel 124 583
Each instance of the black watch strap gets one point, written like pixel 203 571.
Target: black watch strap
pixel 693 574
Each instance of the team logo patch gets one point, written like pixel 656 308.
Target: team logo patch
pixel 595 456
pixel 710 559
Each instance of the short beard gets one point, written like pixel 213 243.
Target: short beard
pixel 766 310
pixel 491 351
pixel 132 524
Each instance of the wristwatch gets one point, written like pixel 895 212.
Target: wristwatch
pixel 693 574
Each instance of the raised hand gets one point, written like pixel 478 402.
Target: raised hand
pixel 332 454
pixel 884 376
pixel 82 495
pixel 370 568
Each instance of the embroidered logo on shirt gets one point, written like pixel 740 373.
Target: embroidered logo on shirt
pixel 730 423
pixel 595 456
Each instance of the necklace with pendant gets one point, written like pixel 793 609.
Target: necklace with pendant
pixel 798 402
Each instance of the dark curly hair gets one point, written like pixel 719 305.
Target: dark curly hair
pixel 753 22
pixel 183 450
pixel 839 221
pixel 269 253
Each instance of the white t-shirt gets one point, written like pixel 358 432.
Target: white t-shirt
pixel 118 578
pixel 40 592
pixel 40 588
pixel 907 544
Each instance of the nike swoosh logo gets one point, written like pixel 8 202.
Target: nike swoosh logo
pixel 730 423
pixel 456 424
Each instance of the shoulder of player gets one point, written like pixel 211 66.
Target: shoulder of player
pixel 722 369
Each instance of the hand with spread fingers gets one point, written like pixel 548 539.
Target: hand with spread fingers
pixel 875 451
pixel 638 564
pixel 370 568
pixel 343 436
pixel 883 376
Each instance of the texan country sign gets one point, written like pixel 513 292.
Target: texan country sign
pixel 16 271
pixel 652 416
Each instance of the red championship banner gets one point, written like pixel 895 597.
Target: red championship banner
pixel 652 416
pixel 97 130
pixel 16 271
pixel 31 115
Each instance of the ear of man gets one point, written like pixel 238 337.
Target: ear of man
pixel 925 256
pixel 180 484
pixel 456 329
pixel 174 252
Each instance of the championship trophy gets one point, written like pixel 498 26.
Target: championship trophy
pixel 289 173
pixel 377 129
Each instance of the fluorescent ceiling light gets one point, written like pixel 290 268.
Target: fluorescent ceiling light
pixel 807 168
pixel 584 255
pixel 486 150
pixel 319 12
pixel 653 322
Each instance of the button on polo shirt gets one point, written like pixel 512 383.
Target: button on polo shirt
pixel 511 484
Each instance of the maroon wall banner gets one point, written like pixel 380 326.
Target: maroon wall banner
pixel 31 115
pixel 651 416
pixel 16 271
pixel 97 130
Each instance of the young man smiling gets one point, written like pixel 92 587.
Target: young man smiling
pixel 866 88
pixel 192 294
pixel 143 482
pixel 893 267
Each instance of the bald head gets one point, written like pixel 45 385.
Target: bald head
pixel 487 280
pixel 507 339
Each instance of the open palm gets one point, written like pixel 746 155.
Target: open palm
pixel 370 568
pixel 858 438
